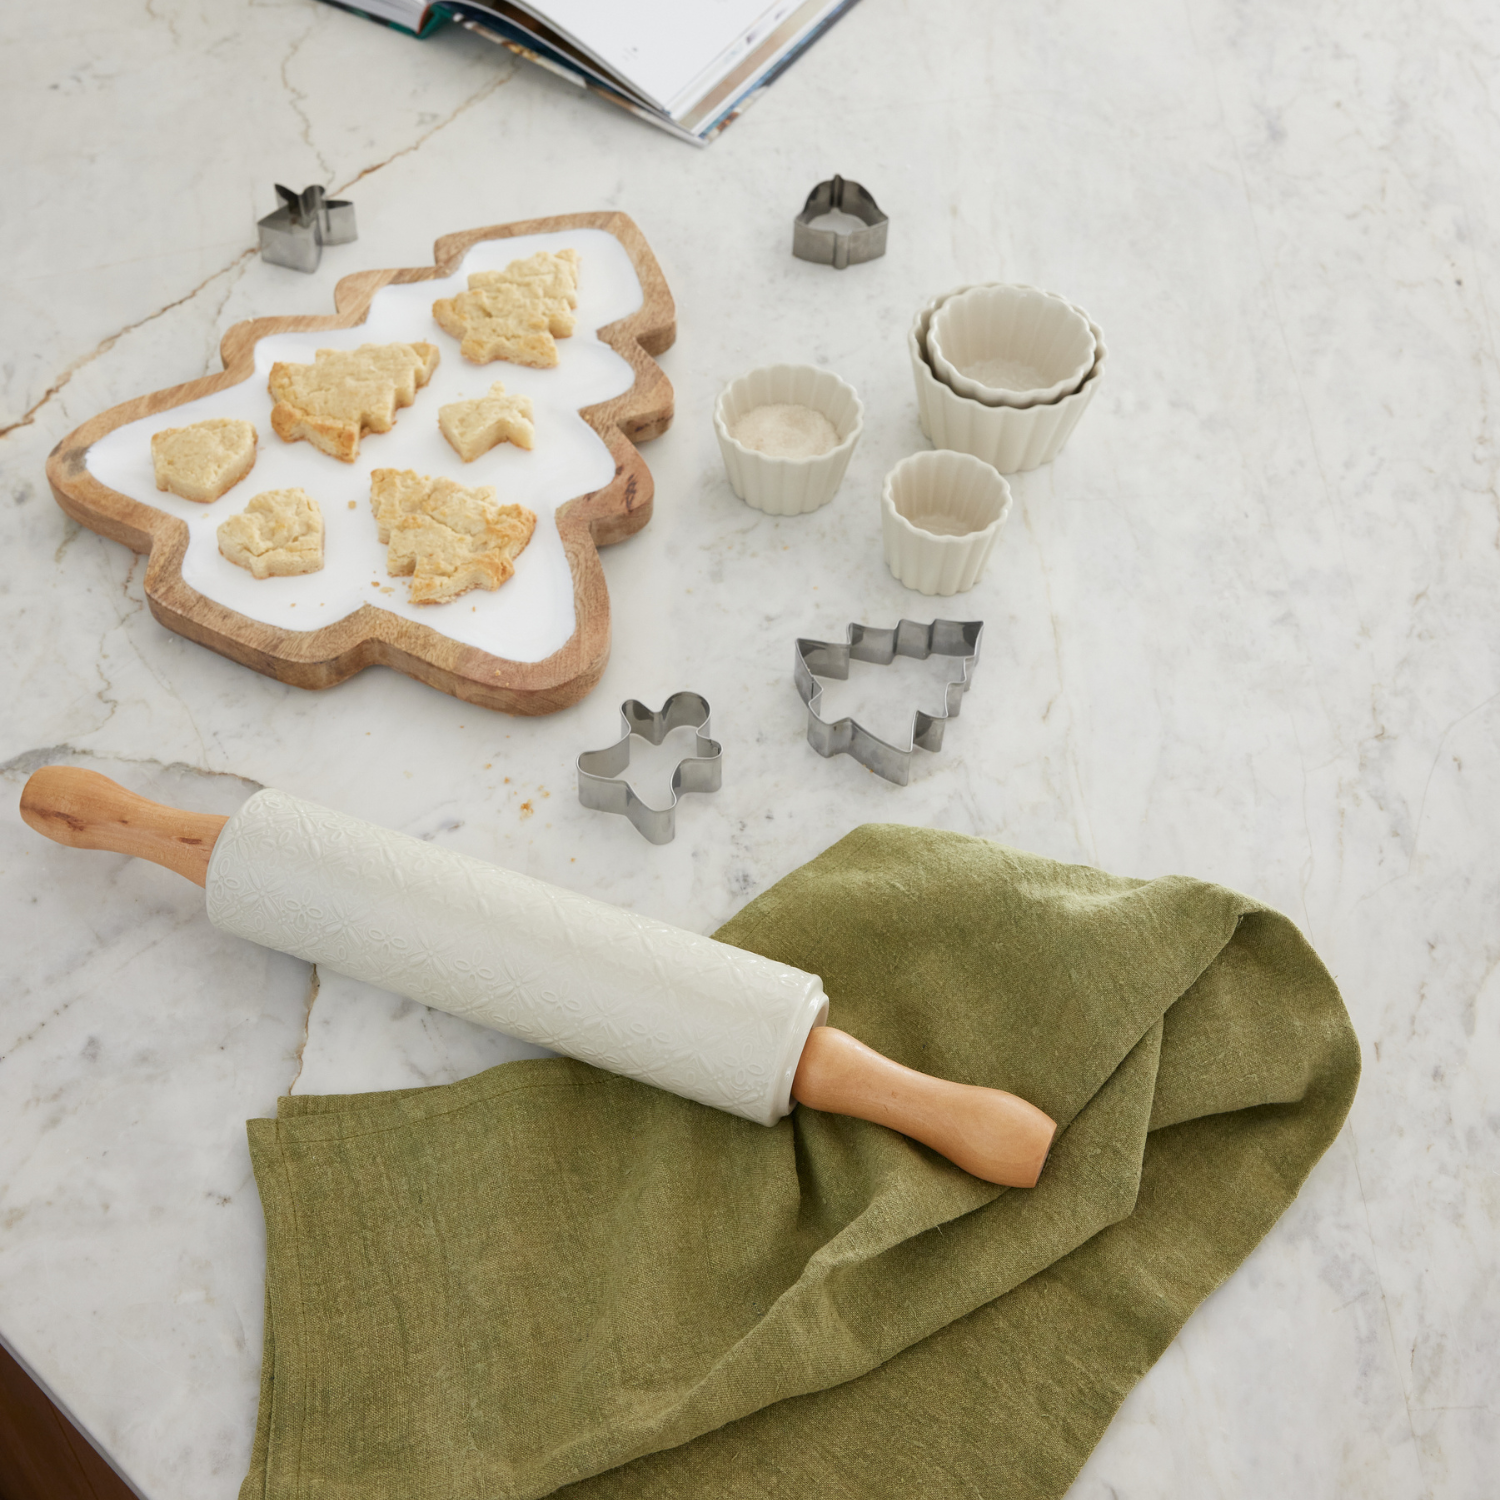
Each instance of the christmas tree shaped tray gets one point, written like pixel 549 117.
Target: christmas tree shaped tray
pixel 536 644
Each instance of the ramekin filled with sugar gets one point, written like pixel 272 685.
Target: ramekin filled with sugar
pixel 786 433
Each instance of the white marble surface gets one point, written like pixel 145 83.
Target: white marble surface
pixel 1245 628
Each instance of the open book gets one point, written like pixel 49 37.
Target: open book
pixel 690 66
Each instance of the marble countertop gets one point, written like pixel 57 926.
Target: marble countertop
pixel 1247 628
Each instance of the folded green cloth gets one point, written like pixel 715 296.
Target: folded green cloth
pixel 546 1276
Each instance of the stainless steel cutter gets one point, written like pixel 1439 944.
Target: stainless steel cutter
pixel 601 783
pixel 834 247
pixel 814 659
pixel 294 235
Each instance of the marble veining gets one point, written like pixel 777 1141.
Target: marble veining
pixel 1244 628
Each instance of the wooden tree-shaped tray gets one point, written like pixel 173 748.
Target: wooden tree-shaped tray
pixel 371 634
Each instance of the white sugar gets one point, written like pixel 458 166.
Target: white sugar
pixel 786 431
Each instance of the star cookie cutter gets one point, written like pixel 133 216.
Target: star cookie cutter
pixel 602 787
pixel 294 235
pixel 814 659
pixel 833 247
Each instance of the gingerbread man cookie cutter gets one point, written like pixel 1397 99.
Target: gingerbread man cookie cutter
pixel 601 783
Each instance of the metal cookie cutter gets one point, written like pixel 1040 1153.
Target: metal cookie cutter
pixel 816 659
pixel 832 247
pixel 599 771
pixel 295 234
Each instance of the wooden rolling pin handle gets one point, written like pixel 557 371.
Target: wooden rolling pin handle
pixel 88 811
pixel 988 1132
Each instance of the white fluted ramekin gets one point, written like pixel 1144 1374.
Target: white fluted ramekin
pixel 788 486
pixel 940 516
pixel 1039 329
pixel 1011 439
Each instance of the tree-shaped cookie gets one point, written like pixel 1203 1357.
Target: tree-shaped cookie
pixel 448 539
pixel 345 393
pixel 515 314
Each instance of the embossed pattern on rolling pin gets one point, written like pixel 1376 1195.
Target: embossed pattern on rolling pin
pixel 624 992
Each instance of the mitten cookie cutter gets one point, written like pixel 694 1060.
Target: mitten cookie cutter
pixel 814 659
pixel 602 787
pixel 834 247
pixel 294 235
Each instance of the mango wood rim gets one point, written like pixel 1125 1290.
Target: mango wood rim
pixel 373 635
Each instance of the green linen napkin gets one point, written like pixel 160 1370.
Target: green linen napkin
pixel 547 1276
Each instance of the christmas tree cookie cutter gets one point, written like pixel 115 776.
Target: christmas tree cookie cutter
pixel 601 783
pixel 814 659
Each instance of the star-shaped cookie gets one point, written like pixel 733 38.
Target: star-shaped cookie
pixel 474 427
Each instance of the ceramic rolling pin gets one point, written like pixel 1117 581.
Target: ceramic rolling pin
pixel 623 992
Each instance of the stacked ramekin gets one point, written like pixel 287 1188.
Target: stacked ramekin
pixel 987 328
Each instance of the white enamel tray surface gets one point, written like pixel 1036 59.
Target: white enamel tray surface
pixel 528 618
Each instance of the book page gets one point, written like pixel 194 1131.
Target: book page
pixel 672 51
